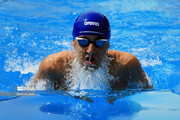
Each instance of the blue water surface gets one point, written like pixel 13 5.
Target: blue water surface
pixel 30 30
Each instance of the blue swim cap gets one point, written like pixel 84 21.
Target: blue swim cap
pixel 92 23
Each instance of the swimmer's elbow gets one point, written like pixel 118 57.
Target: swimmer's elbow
pixel 137 73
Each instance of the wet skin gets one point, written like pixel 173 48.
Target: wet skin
pixel 124 67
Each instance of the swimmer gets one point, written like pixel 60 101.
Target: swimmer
pixel 91 42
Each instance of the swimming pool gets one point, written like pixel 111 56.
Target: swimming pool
pixel 31 30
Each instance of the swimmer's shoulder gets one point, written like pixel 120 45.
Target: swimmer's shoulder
pixel 53 66
pixel 123 58
pixel 56 61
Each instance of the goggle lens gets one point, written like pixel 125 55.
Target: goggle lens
pixel 83 42
pixel 100 43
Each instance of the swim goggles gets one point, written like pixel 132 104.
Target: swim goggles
pixel 84 42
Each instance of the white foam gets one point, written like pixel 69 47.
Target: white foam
pixel 24 64
pixel 43 85
pixel 147 60
pixel 89 78
pixel 151 62
pixel 37 85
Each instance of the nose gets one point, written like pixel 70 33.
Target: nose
pixel 91 48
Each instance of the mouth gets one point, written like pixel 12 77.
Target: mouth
pixel 90 60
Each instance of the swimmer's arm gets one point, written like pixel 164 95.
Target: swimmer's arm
pixel 45 71
pixel 136 74
pixel 48 70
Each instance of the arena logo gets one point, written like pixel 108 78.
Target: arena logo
pixel 91 23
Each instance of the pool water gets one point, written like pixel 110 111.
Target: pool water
pixel 31 30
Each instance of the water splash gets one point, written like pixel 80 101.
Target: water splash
pixel 21 62
pixel 80 77
pixel 42 84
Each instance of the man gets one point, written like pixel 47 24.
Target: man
pixel 90 57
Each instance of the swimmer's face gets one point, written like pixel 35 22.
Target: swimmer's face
pixel 91 55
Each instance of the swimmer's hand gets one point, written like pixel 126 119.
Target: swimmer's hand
pixel 79 97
